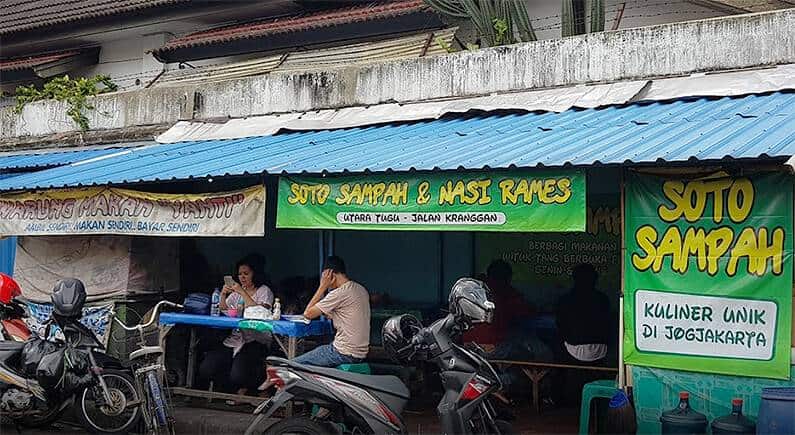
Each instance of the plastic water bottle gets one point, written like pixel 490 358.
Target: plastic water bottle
pixel 215 302
pixel 277 310
pixel 241 307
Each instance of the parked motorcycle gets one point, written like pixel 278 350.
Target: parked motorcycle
pixel 12 311
pixel 342 402
pixel 68 371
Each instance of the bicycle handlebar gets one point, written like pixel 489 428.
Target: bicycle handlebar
pixel 155 314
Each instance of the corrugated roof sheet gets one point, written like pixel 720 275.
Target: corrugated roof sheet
pixel 408 47
pixel 20 16
pixel 753 126
pixel 34 61
pixel 378 10
pixel 50 159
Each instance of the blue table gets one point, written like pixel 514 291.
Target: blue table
pixel 285 328
pixel 293 331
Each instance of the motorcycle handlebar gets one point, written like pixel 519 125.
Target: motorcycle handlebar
pixel 155 315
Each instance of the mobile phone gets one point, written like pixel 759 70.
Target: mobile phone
pixel 228 281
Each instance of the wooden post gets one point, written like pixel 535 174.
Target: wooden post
pixel 621 367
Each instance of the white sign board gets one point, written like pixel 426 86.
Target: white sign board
pixel 684 324
pixel 110 210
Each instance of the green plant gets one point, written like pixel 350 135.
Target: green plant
pixel 446 46
pixel 572 17
pixel 73 92
pixel 501 29
pixel 498 22
pixel 502 22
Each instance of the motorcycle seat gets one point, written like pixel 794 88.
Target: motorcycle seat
pixel 384 384
pixel 11 346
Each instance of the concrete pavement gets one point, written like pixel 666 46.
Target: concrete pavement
pixel 198 421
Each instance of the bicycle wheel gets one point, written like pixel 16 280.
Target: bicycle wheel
pixel 116 417
pixel 158 402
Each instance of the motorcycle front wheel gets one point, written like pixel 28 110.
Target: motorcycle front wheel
pixel 116 417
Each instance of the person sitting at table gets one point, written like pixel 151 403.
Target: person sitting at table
pixel 238 362
pixel 584 323
pixel 347 304
pixel 583 318
pixel 501 338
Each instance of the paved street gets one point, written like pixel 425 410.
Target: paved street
pixel 189 421
pixel 203 421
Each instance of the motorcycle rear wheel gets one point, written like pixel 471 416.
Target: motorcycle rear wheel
pixel 299 425
pixel 118 418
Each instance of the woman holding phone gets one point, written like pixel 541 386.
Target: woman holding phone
pixel 238 362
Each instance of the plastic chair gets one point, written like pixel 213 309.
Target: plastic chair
pixel 603 388
pixel 360 368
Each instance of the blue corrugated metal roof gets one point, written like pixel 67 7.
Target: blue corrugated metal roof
pixel 35 160
pixel 704 129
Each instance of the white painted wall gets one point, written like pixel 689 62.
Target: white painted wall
pixel 736 42
pixel 127 62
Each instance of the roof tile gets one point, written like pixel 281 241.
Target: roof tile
pixel 33 61
pixel 296 23
pixel 23 15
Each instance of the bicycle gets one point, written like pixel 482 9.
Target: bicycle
pixel 149 374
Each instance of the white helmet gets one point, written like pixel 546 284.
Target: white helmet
pixel 470 301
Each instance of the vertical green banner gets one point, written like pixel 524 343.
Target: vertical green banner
pixel 453 201
pixel 708 283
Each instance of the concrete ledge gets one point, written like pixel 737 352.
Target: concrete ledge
pixel 729 43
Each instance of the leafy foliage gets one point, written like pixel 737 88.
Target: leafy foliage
pixel 503 22
pixel 446 46
pixel 498 22
pixel 74 92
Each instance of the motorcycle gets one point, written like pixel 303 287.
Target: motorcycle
pixel 105 400
pixel 345 402
pixel 14 328
pixel 12 311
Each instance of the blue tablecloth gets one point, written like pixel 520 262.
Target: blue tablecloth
pixel 280 327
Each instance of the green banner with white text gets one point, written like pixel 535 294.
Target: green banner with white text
pixel 708 284
pixel 455 201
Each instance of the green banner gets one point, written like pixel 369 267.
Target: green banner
pixel 542 262
pixel 708 283
pixel 461 201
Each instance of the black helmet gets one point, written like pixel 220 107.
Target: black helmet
pixel 469 301
pixel 68 297
pixel 396 336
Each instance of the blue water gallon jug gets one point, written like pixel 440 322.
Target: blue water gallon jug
pixel 777 411
pixel 683 419
pixel 734 423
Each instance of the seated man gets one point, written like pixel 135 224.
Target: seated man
pixel 583 318
pixel 348 305
pixel 502 338
pixel 584 326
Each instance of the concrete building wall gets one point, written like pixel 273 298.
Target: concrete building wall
pixel 127 62
pixel 667 50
